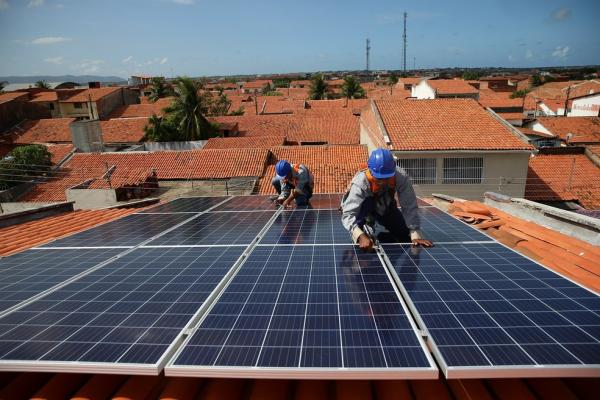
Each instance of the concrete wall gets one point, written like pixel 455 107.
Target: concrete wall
pixel 91 198
pixel 68 110
pixel 107 104
pixel 585 107
pixel 504 173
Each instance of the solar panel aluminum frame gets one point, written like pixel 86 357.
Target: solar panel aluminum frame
pixel 149 210
pixel 488 372
pixel 133 368
pixel 431 372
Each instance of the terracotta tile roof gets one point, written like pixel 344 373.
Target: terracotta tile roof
pixel 489 98
pixel 339 128
pixel 139 110
pixel 383 93
pixel 328 178
pixel 262 142
pixel 531 132
pixel 595 150
pixel 452 86
pixel 584 129
pixel 571 257
pixel 564 177
pixel 95 94
pixel 335 82
pixel 411 80
pixel 35 233
pixel 4 97
pixel 512 115
pixel 123 130
pixel 260 125
pixel 45 97
pixel 279 105
pixel 59 151
pixel 445 124
pixel 257 84
pixel 583 89
pixel 305 82
pixel 43 131
pixel 295 93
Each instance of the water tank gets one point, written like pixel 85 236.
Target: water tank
pixel 87 136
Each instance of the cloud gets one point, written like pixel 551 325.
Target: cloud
pixel 54 60
pixel 127 59
pixel 560 51
pixel 35 3
pixel 528 54
pixel 88 66
pixel 164 60
pixel 4 5
pixel 50 40
pixel 562 14
pixel 184 2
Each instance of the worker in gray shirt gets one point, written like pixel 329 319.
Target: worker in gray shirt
pixel 371 198
pixel 292 182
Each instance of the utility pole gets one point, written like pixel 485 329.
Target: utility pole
pixel 404 39
pixel 414 63
pixel 368 52
pixel 567 101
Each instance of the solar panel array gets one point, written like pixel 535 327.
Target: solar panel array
pixel 228 286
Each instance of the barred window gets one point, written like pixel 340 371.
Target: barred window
pixel 421 170
pixel 460 171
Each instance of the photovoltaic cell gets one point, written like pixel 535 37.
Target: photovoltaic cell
pixel 127 231
pixel 186 204
pixel 223 228
pixel 441 227
pixel 326 201
pixel 247 203
pixel 27 274
pixel 127 312
pixel 304 308
pixel 307 227
pixel 487 307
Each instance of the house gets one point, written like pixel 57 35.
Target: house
pixel 257 86
pixel 444 88
pixel 300 84
pixel 48 99
pixel 94 103
pixel 136 80
pixel 540 139
pixel 503 105
pixel 571 130
pixel 409 82
pixel 451 146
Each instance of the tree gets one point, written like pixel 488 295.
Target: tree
pixel 351 88
pixel 2 85
pixel 392 79
pixel 42 85
pixel 471 75
pixel 220 105
pixel 188 109
pixel 161 129
pixel 239 111
pixel 318 88
pixel 519 94
pixel 281 82
pixel 23 164
pixel 159 89
pixel 536 80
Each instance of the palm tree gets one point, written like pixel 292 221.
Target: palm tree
pixel 351 88
pixel 42 85
pixel 391 81
pixel 159 89
pixel 188 109
pixel 318 88
pixel 2 85
pixel 160 129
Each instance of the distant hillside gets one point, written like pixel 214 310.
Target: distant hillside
pixel 62 78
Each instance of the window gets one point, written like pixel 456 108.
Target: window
pixel 51 106
pixel 421 170
pixel 459 171
pixel 76 105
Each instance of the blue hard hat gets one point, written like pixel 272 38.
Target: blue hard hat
pixel 381 164
pixel 283 168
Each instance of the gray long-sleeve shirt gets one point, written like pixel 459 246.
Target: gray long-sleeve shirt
pixel 301 182
pixel 361 190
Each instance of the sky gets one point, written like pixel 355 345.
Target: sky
pixel 228 37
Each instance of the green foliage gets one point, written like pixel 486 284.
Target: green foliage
pixel 42 85
pixel 161 130
pixel 160 89
pixel 239 111
pixel 392 79
pixel 535 80
pixel 273 93
pixel 471 75
pixel 519 93
pixel 220 105
pixel 2 85
pixel 351 88
pixel 281 83
pixel 23 164
pixel 318 88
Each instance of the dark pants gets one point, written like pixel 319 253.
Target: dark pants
pixel 392 220
pixel 301 200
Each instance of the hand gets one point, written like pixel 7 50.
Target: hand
pixel 287 204
pixel 365 243
pixel 279 201
pixel 422 242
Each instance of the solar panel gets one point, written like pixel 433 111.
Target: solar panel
pixel 310 311
pixel 127 231
pixel 442 227
pixel 247 203
pixel 491 312
pixel 124 316
pixel 222 228
pixel 186 204
pixel 307 227
pixel 28 274
pixel 326 201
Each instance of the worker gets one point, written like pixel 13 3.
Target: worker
pixel 371 198
pixel 293 182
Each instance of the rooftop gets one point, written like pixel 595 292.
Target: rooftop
pixel 584 129
pixel 95 94
pixel 445 124
pixel 451 86
pixel 43 131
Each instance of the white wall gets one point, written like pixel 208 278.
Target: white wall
pixel 423 91
pixel 586 107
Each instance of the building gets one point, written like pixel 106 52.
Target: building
pixel 136 80
pixel 95 103
pixel 300 84
pixel 451 146
pixel 444 88
pixel 570 130
pixel 257 86
pixel 503 105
